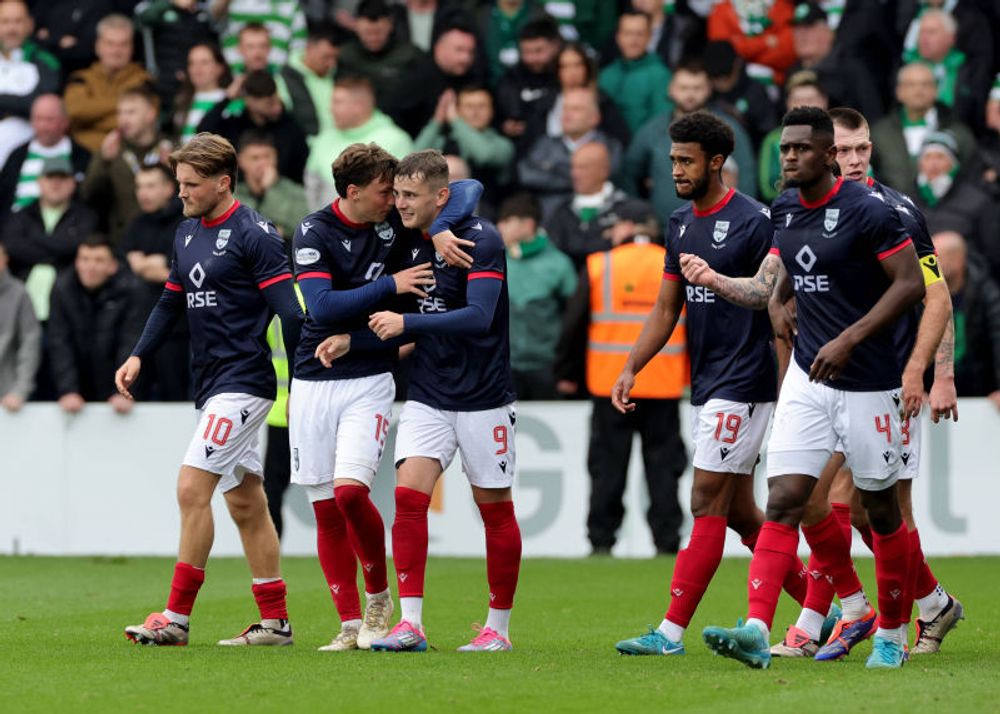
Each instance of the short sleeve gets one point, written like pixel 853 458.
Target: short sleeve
pixel 309 257
pixel 266 253
pixel 885 232
pixel 671 258
pixel 762 239
pixel 488 258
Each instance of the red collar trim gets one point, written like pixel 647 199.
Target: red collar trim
pixel 869 181
pixel 425 235
pixel 335 206
pixel 717 207
pixel 826 199
pixel 221 219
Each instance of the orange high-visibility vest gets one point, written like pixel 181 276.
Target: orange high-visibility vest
pixel 624 283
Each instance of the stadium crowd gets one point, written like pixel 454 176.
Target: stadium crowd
pixel 559 108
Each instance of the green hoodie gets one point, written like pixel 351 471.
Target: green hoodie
pixel 638 87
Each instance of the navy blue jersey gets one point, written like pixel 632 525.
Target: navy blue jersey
pixel 328 246
pixel 832 250
pixel 463 373
pixel 732 356
pixel 222 266
pixel 913 221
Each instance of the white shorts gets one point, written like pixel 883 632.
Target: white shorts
pixel 227 440
pixel 727 436
pixel 811 418
pixel 337 428
pixel 909 451
pixel 484 438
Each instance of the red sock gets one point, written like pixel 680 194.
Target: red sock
pixel 923 579
pixel 367 534
pixel 336 558
pixel 892 560
pixel 184 588
pixel 842 512
pixel 409 540
pixel 773 557
pixel 270 599
pixel 695 567
pixel 503 552
pixel 866 536
pixel 917 564
pixel 832 554
pixel 796 582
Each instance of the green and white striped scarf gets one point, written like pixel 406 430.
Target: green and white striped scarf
pixel 31 169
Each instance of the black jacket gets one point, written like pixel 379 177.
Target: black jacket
pixel 521 95
pixel 153 234
pixel 91 333
pixel 969 210
pixel 413 101
pixel 977 374
pixel 28 244
pixel 289 139
pixel 11 172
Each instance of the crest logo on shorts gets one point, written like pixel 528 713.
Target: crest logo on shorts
pixel 723 453
pixel 720 231
pixel 223 238
pixel 905 457
pixel 503 466
pixel 831 218
pixel 244 413
pixel 197 275
pixel 209 450
pixel 806 258
pixel 385 232
pixel 886 455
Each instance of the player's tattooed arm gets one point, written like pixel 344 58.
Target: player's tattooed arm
pixel 930 332
pixel 944 398
pixel 746 292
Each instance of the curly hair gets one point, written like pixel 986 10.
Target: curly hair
pixel 714 135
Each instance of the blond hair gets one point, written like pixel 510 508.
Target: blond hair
pixel 209 155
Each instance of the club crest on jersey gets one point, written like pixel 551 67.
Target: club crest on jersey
pixel 831 218
pixel 720 231
pixel 385 232
pixel 223 238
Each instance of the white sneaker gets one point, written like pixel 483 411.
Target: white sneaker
pixel 257 634
pixel 158 630
pixel 346 640
pixel 376 623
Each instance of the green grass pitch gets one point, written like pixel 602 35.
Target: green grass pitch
pixel 62 648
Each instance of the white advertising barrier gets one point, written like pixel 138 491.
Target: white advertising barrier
pixel 100 483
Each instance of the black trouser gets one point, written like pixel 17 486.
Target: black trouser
pixel 658 423
pixel 277 471
pixel 534 384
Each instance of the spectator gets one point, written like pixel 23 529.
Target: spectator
pixel 951 201
pixel 265 190
pixel 253 54
pixel 588 221
pixel 801 90
pixel 638 79
pixel 18 179
pixel 899 135
pixel 527 86
pixel 734 92
pixel 540 279
pixel 305 84
pixel 43 237
pixel 171 28
pixel 96 319
pixel 545 168
pixel 962 85
pixel 589 21
pixel 844 77
pixel 109 187
pixel 677 31
pixel 262 109
pixel 647 161
pixel 577 69
pixel 462 126
pixel 204 86
pixel 283 20
pixel 603 319
pixel 450 65
pixel 975 299
pixel 760 32
pixel 355 120
pixel 420 21
pixel 92 94
pixel 26 71
pixel 20 340
pixel 376 53
pixel 500 25
pixel 148 246
pixel 68 29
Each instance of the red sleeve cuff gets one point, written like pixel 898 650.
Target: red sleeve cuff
pixel 173 287
pixel 895 249
pixel 276 279
pixel 486 274
pixel 670 276
pixel 315 274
